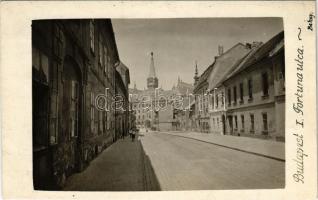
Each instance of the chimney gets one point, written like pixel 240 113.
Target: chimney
pixel 248 46
pixel 256 44
pixel 220 48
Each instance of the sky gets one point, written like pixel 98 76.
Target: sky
pixel 178 43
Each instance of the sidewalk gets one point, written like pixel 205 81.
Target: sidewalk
pixel 120 167
pixel 267 148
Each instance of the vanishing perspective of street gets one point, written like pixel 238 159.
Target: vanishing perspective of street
pixel 168 161
pixel 158 104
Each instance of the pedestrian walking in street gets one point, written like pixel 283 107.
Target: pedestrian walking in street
pixel 130 133
pixel 133 136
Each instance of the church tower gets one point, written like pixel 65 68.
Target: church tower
pixel 152 80
pixel 196 77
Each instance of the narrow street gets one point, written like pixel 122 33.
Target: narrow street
pixel 159 161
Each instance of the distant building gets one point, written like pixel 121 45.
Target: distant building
pixel 153 107
pixel 201 115
pixel 204 91
pixel 122 101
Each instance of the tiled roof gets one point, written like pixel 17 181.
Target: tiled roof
pixel 226 63
pixel 258 54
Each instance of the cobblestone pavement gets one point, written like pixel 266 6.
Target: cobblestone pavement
pixel 187 164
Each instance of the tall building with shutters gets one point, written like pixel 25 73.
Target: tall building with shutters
pixel 73 61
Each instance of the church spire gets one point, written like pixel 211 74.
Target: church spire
pixel 152 71
pixel 196 77
pixel 152 80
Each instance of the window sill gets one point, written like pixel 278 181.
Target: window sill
pixel 39 148
pixel 264 132
pixel 250 100
pixel 92 51
pixel 265 96
pixel 241 102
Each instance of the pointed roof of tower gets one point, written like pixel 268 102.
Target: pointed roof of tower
pixel 152 71
pixel 196 68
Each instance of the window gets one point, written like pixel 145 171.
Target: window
pixel 100 122
pixel 234 94
pixel 222 98
pixel 40 62
pixel 241 93
pixel 100 50
pixel 58 41
pixel 36 58
pixel 265 84
pixel 92 35
pixel 212 102
pixel 74 109
pixel 250 89
pixel 265 124
pixel 229 96
pixel 92 113
pixel 105 59
pixel 252 123
pixel 243 123
pixel 235 120
pixel 105 121
pixel 217 100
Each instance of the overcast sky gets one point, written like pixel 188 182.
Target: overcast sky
pixel 177 43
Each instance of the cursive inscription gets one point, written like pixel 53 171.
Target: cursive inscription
pixel 310 21
pixel 298 107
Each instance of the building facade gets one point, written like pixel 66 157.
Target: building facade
pixel 258 108
pixel 249 99
pixel 73 61
pixel 243 92
pixel 122 101
pixel 224 64
pixel 154 107
pixel 201 113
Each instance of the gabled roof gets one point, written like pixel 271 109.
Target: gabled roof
pixel 259 53
pixel 124 73
pixel 183 88
pixel 226 63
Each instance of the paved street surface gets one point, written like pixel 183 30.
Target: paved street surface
pixel 268 148
pixel 187 164
pixel 121 167
pixel 160 161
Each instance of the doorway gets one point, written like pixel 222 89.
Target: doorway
pixel 71 113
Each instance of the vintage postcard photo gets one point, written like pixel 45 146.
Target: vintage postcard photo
pixel 158 104
pixel 212 104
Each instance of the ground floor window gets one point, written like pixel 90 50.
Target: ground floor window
pixel 265 124
pixel 242 121
pixel 252 123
